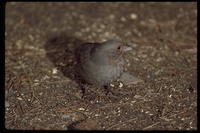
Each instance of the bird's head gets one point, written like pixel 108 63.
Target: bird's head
pixel 115 48
pixel 111 50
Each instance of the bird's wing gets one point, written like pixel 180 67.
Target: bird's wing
pixel 83 52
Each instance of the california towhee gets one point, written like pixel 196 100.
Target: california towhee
pixel 101 63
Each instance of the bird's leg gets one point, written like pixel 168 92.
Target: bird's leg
pixel 107 89
pixel 83 89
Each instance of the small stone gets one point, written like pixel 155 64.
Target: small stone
pixel 19 98
pixel 31 37
pixel 81 109
pixel 112 16
pixel 54 71
pixel 7 104
pixel 96 114
pixel 133 16
pixel 65 116
pixel 123 19
pixel 120 85
pixel 112 85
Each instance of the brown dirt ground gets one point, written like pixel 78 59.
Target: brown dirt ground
pixel 41 89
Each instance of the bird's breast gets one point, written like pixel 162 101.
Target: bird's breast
pixel 101 74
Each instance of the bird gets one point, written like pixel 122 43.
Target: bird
pixel 101 63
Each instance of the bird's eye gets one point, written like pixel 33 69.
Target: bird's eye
pixel 118 48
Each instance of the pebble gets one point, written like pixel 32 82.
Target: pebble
pixel 7 104
pixel 120 85
pixel 19 98
pixel 133 16
pixel 54 71
pixel 82 109
pixel 65 116
pixel 123 19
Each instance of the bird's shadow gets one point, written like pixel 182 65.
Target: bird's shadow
pixel 60 51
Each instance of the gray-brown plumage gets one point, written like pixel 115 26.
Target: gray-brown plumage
pixel 101 63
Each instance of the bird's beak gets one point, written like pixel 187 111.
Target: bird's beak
pixel 127 48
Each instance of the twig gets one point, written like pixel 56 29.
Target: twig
pixel 57 81
pixel 114 105
pixel 31 86
pixel 120 123
pixel 21 107
pixel 54 124
pixel 150 126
